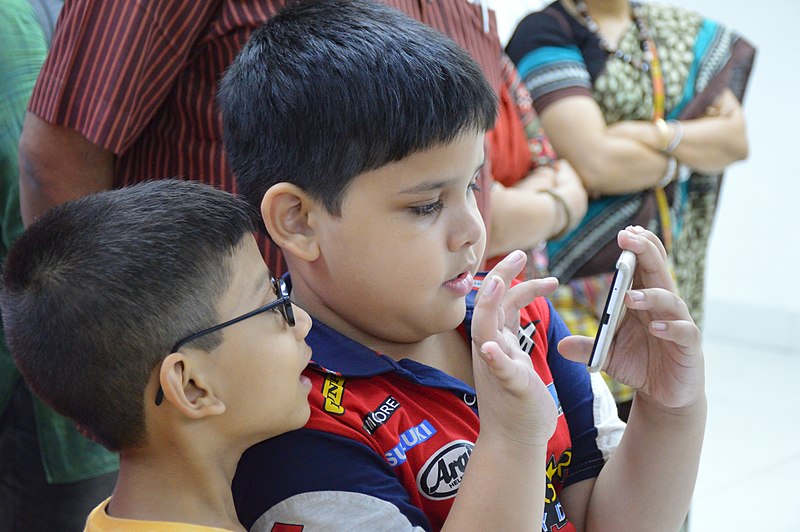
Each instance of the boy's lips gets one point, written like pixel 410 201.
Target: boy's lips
pixel 303 379
pixel 460 284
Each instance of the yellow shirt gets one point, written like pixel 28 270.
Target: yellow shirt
pixel 100 521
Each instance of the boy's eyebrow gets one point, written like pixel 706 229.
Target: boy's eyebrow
pixel 436 185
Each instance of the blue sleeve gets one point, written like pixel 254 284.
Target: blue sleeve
pixel 574 388
pixel 308 460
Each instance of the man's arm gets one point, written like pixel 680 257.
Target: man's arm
pixel 58 164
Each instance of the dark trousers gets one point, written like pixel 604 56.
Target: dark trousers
pixel 27 502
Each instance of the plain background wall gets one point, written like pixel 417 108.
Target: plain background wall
pixel 752 287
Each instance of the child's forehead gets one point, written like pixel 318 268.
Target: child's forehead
pixel 441 166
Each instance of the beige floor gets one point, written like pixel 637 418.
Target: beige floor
pixel 749 475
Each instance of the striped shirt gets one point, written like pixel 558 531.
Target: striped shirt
pixel 139 79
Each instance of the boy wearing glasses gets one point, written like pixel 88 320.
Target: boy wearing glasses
pixel 359 134
pixel 132 313
pixel 147 315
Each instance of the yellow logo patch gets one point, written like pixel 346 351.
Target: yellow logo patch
pixel 333 392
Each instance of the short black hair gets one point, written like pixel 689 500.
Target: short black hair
pixel 98 290
pixel 329 89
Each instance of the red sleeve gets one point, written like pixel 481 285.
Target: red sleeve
pixel 111 64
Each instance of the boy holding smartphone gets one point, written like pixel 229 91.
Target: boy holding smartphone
pixel 373 204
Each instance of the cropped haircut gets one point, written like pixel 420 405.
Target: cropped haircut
pixel 329 89
pixel 98 290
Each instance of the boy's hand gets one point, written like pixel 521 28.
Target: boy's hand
pixel 514 403
pixel 657 349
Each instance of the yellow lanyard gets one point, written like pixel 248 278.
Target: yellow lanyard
pixel 657 77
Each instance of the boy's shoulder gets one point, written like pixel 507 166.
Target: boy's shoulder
pixel 99 521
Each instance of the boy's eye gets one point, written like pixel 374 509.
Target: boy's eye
pixel 429 209
pixel 473 186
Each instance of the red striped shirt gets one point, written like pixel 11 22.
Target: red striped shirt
pixel 139 79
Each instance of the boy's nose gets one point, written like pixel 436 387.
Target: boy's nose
pixel 468 228
pixel 302 322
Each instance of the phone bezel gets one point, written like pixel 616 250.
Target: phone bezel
pixel 614 310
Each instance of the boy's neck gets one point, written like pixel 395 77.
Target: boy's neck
pixel 448 352
pixel 181 485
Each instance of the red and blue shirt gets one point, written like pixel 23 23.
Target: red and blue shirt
pixel 388 441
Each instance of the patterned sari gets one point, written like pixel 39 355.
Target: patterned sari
pixel 557 57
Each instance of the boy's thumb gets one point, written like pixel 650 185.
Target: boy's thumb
pixel 576 348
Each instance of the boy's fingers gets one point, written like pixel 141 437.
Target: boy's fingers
pixel 521 295
pixel 649 235
pixel 508 268
pixel 683 333
pixel 651 266
pixel 488 310
pixel 576 348
pixel 662 304
pixel 501 367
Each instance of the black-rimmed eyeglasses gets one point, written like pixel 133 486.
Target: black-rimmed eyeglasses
pixel 283 303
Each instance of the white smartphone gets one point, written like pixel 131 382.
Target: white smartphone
pixel 613 311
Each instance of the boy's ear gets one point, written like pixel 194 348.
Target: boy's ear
pixel 187 388
pixel 289 215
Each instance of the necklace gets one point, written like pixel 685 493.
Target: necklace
pixel 642 63
pixel 649 64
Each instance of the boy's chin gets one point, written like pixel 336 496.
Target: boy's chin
pixel 422 329
pixel 454 317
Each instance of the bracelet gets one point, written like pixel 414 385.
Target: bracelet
pixel 567 213
pixel 676 139
pixel 669 175
pixel 663 134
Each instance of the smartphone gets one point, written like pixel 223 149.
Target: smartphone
pixel 613 311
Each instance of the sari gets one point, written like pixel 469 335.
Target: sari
pixel 557 56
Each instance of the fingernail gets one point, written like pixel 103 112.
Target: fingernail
pixel 658 326
pixel 515 256
pixel 490 285
pixel 636 295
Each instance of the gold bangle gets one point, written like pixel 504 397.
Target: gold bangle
pixel 567 213
pixel 663 134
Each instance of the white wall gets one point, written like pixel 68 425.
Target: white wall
pixel 753 292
